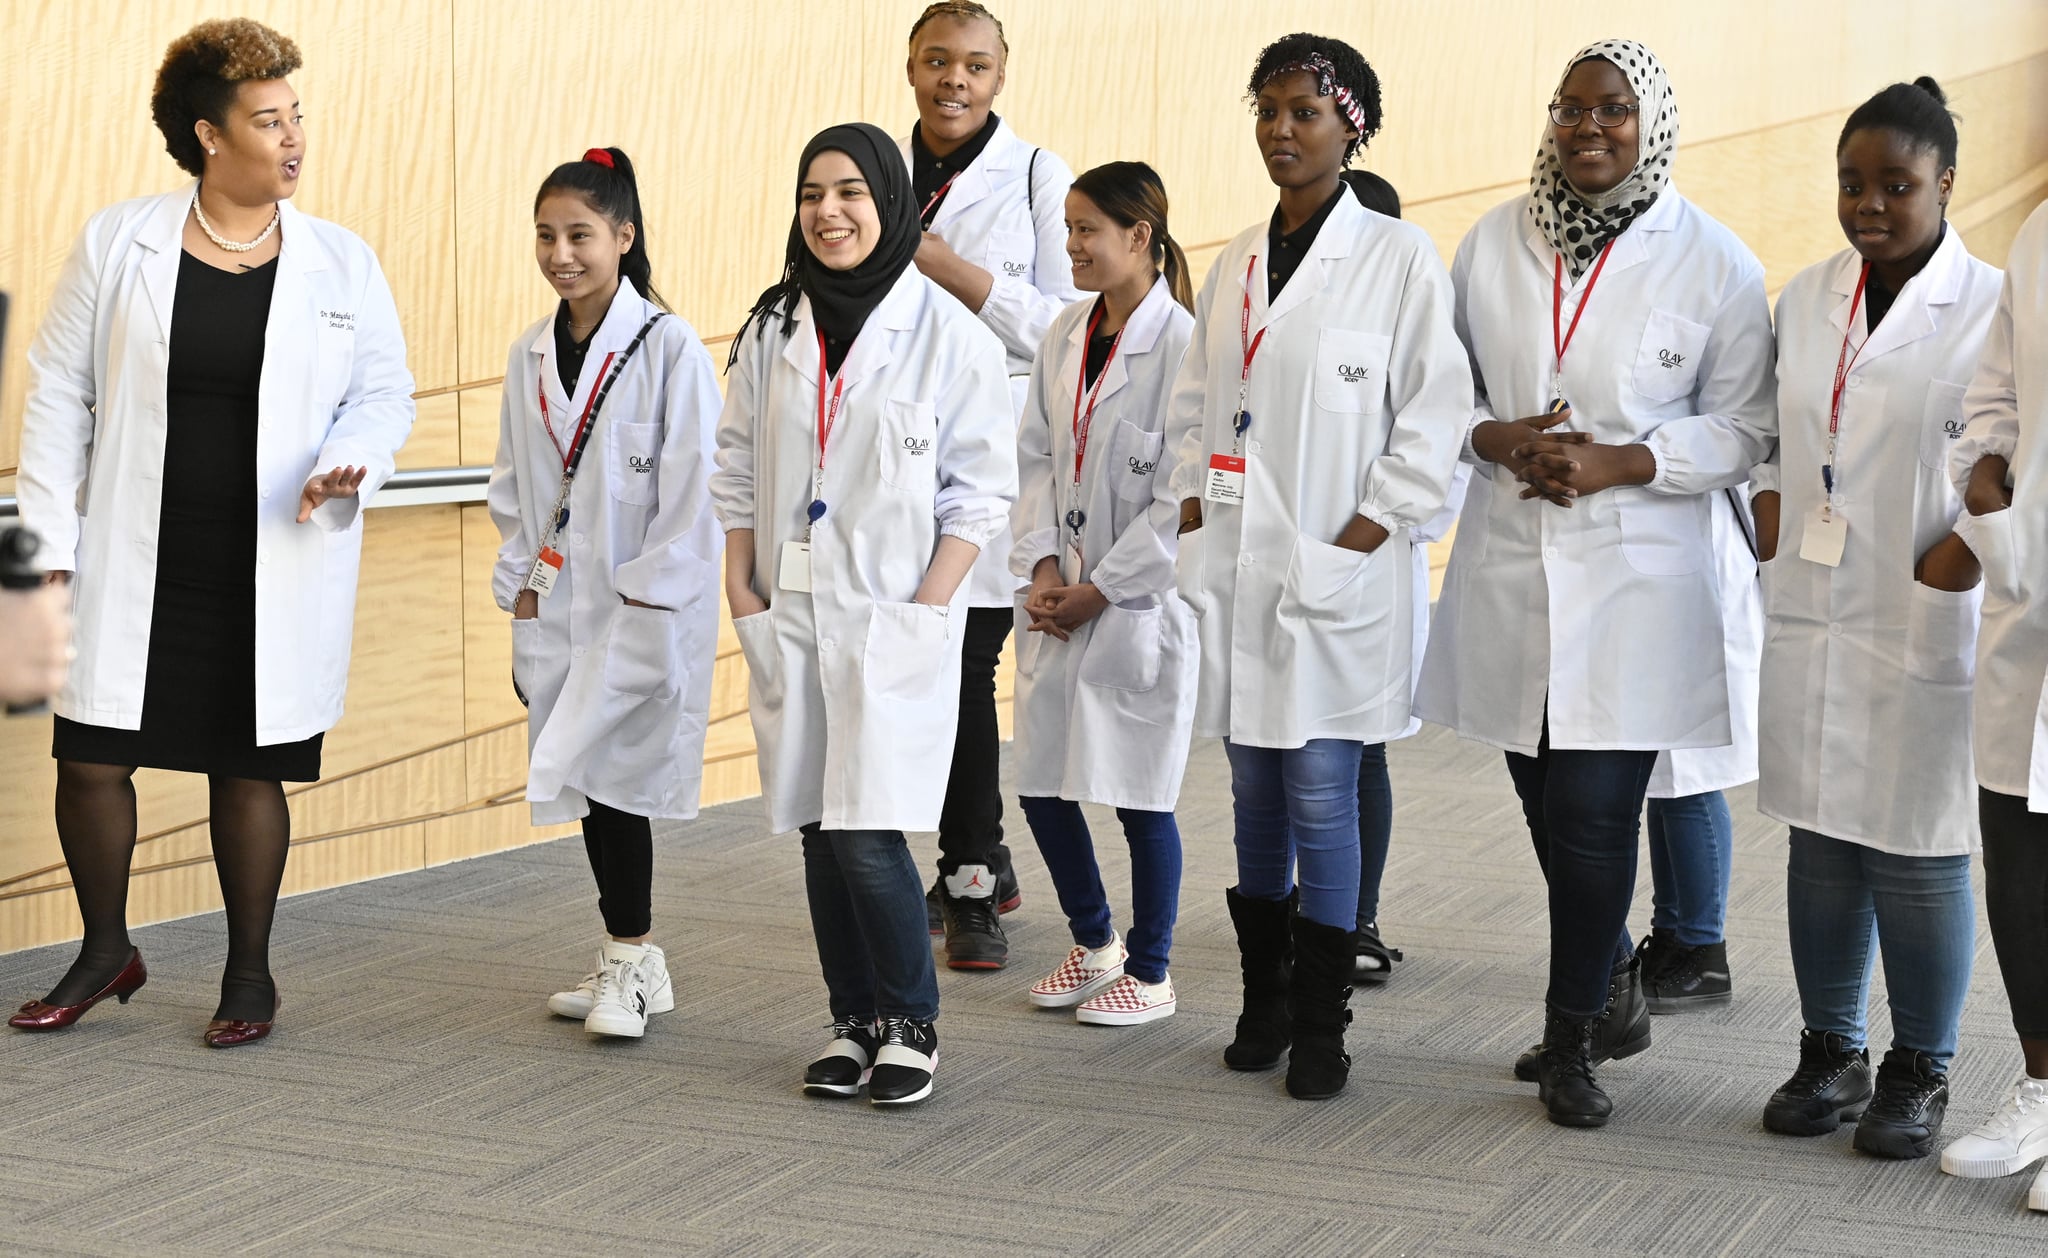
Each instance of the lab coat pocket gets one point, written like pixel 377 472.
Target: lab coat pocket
pixel 1662 535
pixel 1326 582
pixel 909 447
pixel 1941 426
pixel 1351 371
pixel 1187 569
pixel 1668 358
pixel 1941 635
pixel 335 360
pixel 526 647
pixel 643 657
pixel 1010 255
pixel 1133 458
pixel 634 451
pixel 1123 648
pixel 905 654
pixel 1990 538
pixel 757 645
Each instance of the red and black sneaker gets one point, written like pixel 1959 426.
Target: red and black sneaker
pixel 974 928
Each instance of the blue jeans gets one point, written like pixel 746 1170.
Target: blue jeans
pixel 867 914
pixel 1375 829
pixel 1841 898
pixel 1692 846
pixel 1584 810
pixel 1299 805
pixel 1063 839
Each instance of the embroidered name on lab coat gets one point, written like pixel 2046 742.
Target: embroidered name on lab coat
pixel 1671 359
pixel 340 320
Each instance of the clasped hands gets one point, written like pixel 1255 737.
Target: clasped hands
pixel 1058 609
pixel 1558 467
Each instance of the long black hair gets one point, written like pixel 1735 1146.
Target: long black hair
pixel 604 179
pixel 1916 110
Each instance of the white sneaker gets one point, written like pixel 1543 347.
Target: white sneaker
pixel 632 983
pixel 2037 1196
pixel 2013 1138
pixel 576 1002
pixel 1127 1002
pixel 1084 972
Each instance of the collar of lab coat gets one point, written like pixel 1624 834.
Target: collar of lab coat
pixel 872 348
pixel 1003 153
pixel 1339 233
pixel 163 234
pixel 615 331
pixel 1633 247
pixel 1911 317
pixel 1141 333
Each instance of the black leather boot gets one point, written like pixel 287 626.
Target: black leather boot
pixel 1265 953
pixel 1832 1085
pixel 1564 1072
pixel 1623 1031
pixel 1904 1118
pixel 1318 1010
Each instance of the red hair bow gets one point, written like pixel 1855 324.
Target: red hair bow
pixel 601 156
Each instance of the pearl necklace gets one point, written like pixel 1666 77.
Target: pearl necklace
pixel 229 245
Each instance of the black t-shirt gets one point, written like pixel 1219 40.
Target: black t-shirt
pixel 929 173
pixel 1284 251
pixel 1099 346
pixel 569 351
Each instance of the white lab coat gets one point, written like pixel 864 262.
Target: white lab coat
pixel 1359 396
pixel 1867 672
pixel 1006 213
pixel 2005 409
pixel 618 697
pixel 855 688
pixel 1697 770
pixel 334 392
pixel 1610 612
pixel 1104 717
pixel 1421 538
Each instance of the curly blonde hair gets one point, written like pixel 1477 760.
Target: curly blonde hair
pixel 203 69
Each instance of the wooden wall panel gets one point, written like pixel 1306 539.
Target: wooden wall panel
pixel 432 121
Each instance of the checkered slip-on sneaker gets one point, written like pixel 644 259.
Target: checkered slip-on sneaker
pixel 1127 1002
pixel 1085 972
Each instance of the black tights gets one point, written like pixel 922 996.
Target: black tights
pixel 621 848
pixel 251 830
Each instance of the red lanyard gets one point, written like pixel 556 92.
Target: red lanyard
pixel 1561 340
pixel 589 408
pixel 1845 362
pixel 1085 420
pixel 1249 344
pixel 828 417
pixel 924 216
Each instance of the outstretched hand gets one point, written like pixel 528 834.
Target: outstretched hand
pixel 342 482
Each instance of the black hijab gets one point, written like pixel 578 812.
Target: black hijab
pixel 842 300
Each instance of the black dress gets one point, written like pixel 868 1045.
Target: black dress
pixel 199 703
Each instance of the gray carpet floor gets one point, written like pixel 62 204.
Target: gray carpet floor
pixel 417 1099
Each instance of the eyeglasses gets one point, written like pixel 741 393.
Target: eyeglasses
pixel 1604 115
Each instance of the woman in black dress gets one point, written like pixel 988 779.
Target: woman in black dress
pixel 219 534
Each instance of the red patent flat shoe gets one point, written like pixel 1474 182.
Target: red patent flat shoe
pixel 41 1015
pixel 226 1033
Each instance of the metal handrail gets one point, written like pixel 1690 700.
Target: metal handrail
pixel 409 487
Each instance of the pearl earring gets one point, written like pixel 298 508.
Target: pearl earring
pixel 213 152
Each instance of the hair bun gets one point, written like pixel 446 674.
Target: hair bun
pixel 1927 84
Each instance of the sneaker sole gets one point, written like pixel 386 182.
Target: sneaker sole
pixel 1800 1125
pixel 615 1030
pixel 1578 1120
pixel 1067 1000
pixel 912 1099
pixel 2037 1197
pixel 1893 1145
pixel 1679 1004
pixel 568 1009
pixel 2032 1150
pixel 1105 1017
pixel 837 1091
pixel 951 964
pixel 1010 905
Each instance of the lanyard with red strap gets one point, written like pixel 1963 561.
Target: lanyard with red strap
pixel 1561 336
pixel 924 216
pixel 1084 419
pixel 1845 362
pixel 574 450
pixel 828 418
pixel 1249 344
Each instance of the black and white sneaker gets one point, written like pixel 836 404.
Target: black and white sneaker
pixel 904 1067
pixel 632 984
pixel 846 1065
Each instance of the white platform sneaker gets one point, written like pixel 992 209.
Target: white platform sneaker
pixel 629 985
pixel 2011 1140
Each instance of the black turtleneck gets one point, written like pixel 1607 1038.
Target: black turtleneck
pixel 929 173
pixel 1285 250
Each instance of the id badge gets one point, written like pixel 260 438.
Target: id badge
pixel 1824 537
pixel 795 571
pixel 1226 479
pixel 546 567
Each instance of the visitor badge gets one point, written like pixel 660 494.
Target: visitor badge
pixel 546 567
pixel 1826 533
pixel 795 573
pixel 1226 479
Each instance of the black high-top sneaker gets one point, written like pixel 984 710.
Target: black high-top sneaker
pixel 1831 1086
pixel 975 939
pixel 1564 1072
pixel 1687 978
pixel 1904 1118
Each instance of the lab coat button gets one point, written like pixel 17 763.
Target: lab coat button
pixel 1550 552
pixel 1835 630
pixel 827 644
pixel 1255 447
pixel 262 556
pixel 1855 382
pixel 579 651
pixel 579 539
pixel 1245 560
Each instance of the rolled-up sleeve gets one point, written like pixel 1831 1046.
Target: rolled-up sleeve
pixel 1991 411
pixel 1020 309
pixel 977 441
pixel 1737 393
pixel 1429 388
pixel 732 483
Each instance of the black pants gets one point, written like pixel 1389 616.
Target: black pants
pixel 2016 899
pixel 971 823
pixel 621 848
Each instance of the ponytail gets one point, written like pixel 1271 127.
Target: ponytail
pixel 1131 193
pixel 604 179
pixel 1373 192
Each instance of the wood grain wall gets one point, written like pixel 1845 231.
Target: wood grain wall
pixel 430 123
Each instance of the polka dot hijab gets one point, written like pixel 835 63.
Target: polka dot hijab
pixel 1577 224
